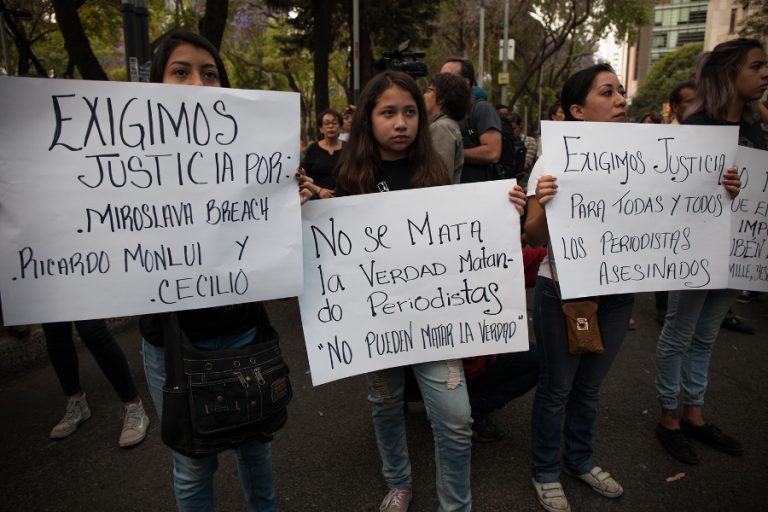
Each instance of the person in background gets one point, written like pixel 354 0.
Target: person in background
pixel 680 99
pixel 650 118
pixel 346 117
pixel 447 99
pixel 556 112
pixel 113 364
pixel 321 156
pixel 731 79
pixel 480 129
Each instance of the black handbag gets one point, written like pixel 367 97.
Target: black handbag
pixel 213 400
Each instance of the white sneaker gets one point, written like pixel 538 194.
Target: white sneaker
pixel 551 496
pixel 601 482
pixel 77 412
pixel 135 424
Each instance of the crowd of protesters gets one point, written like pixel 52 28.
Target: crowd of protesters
pixel 398 137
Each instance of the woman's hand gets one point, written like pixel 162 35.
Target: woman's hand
pixel 546 189
pixel 325 193
pixel 517 197
pixel 306 185
pixel 731 181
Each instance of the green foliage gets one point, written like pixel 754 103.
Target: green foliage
pixel 674 68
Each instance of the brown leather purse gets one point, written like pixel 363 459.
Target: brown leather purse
pixel 581 322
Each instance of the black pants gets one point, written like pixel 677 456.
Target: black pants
pixel 101 343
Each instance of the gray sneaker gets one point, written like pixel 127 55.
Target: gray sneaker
pixel 135 424
pixel 397 500
pixel 77 412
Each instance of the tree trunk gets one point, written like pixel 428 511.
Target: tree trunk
pixel 214 21
pixel 76 42
pixel 321 40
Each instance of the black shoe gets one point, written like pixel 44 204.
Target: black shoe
pixel 712 436
pixel 484 430
pixel 677 444
pixel 745 297
pixel 736 323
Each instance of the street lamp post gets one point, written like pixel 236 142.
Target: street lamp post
pixel 505 53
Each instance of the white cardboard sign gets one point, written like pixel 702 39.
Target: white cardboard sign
pixel 411 276
pixel 749 224
pixel 123 198
pixel 639 207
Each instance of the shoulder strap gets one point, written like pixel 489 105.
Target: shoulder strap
pixel 173 337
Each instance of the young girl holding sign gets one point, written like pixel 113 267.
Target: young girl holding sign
pixel 731 79
pixel 189 59
pixel 390 149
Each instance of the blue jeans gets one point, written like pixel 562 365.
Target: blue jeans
pixel 566 398
pixel 193 478
pixel 445 398
pixel 685 344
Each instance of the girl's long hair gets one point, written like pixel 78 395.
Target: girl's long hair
pixel 361 159
pixel 175 39
pixel 716 75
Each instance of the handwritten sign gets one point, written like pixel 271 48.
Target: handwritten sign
pixel 120 199
pixel 411 276
pixel 749 224
pixel 639 207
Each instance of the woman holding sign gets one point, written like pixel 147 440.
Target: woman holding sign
pixel 565 405
pixel 189 59
pixel 390 149
pixel 731 80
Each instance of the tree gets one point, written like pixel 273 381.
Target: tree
pixel 76 41
pixel 214 21
pixel 552 38
pixel 674 68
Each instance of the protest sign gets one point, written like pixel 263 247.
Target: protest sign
pixel 638 207
pixel 124 198
pixel 411 276
pixel 749 223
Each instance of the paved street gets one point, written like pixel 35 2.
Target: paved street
pixel 325 458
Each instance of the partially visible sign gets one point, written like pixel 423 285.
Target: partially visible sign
pixel 749 224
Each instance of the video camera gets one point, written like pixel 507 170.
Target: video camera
pixel 403 60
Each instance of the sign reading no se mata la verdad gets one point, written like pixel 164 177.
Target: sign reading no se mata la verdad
pixel 411 276
pixel 638 207
pixel 123 198
pixel 749 224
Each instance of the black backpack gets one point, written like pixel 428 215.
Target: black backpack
pixel 511 163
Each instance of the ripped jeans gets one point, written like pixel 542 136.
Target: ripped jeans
pixel 445 398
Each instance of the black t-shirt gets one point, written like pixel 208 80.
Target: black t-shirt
pixel 392 175
pixel 395 174
pixel 319 164
pixel 481 118
pixel 750 134
pixel 204 324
